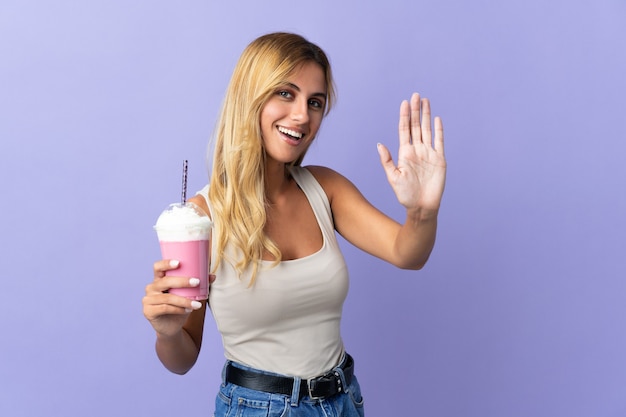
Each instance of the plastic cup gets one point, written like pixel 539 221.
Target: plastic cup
pixel 184 231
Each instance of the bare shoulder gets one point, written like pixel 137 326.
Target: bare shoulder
pixel 331 181
pixel 200 202
pixel 342 194
pixel 321 172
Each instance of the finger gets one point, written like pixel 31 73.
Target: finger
pixel 155 306
pixel 404 125
pixel 416 132
pixel 158 299
pixel 426 127
pixel 160 267
pixel 386 160
pixel 164 284
pixel 438 135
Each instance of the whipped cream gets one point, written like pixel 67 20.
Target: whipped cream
pixel 180 223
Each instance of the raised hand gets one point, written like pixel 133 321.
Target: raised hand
pixel 419 177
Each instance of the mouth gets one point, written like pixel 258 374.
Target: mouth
pixel 291 134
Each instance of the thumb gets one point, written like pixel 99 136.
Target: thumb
pixel 385 159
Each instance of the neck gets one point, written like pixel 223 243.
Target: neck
pixel 277 180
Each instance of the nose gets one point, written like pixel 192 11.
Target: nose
pixel 300 111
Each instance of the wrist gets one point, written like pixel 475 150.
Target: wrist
pixel 421 214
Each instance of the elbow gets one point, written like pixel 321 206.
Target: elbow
pixel 411 265
pixel 179 371
pixel 414 262
pixel 182 368
pixel 414 267
pixel 412 257
pixel 176 366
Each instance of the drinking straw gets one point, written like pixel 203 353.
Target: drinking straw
pixel 184 195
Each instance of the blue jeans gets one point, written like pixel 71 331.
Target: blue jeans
pixel 235 401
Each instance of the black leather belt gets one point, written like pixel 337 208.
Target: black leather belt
pixel 323 386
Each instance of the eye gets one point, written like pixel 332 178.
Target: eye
pixel 284 93
pixel 318 104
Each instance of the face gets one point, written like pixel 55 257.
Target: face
pixel 293 115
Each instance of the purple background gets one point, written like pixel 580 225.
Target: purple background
pixel 520 310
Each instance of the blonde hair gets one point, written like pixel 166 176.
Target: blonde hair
pixel 237 184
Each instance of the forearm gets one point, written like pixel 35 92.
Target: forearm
pixel 416 238
pixel 177 353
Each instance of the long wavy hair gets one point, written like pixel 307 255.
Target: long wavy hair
pixel 237 184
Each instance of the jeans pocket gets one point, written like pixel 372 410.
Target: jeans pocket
pixel 355 394
pixel 237 401
pixel 276 407
pixel 223 401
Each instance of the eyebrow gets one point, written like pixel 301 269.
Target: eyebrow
pixel 295 87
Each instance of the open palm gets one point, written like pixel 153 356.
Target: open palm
pixel 419 177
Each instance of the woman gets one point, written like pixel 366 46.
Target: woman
pixel 278 278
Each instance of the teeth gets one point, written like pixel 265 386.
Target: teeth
pixel 290 132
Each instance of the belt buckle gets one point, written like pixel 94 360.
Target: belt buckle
pixel 310 388
pixel 330 375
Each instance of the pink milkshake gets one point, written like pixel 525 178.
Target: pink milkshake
pixel 184 231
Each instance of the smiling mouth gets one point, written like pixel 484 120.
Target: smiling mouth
pixel 292 134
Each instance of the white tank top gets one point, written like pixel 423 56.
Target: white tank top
pixel 288 321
